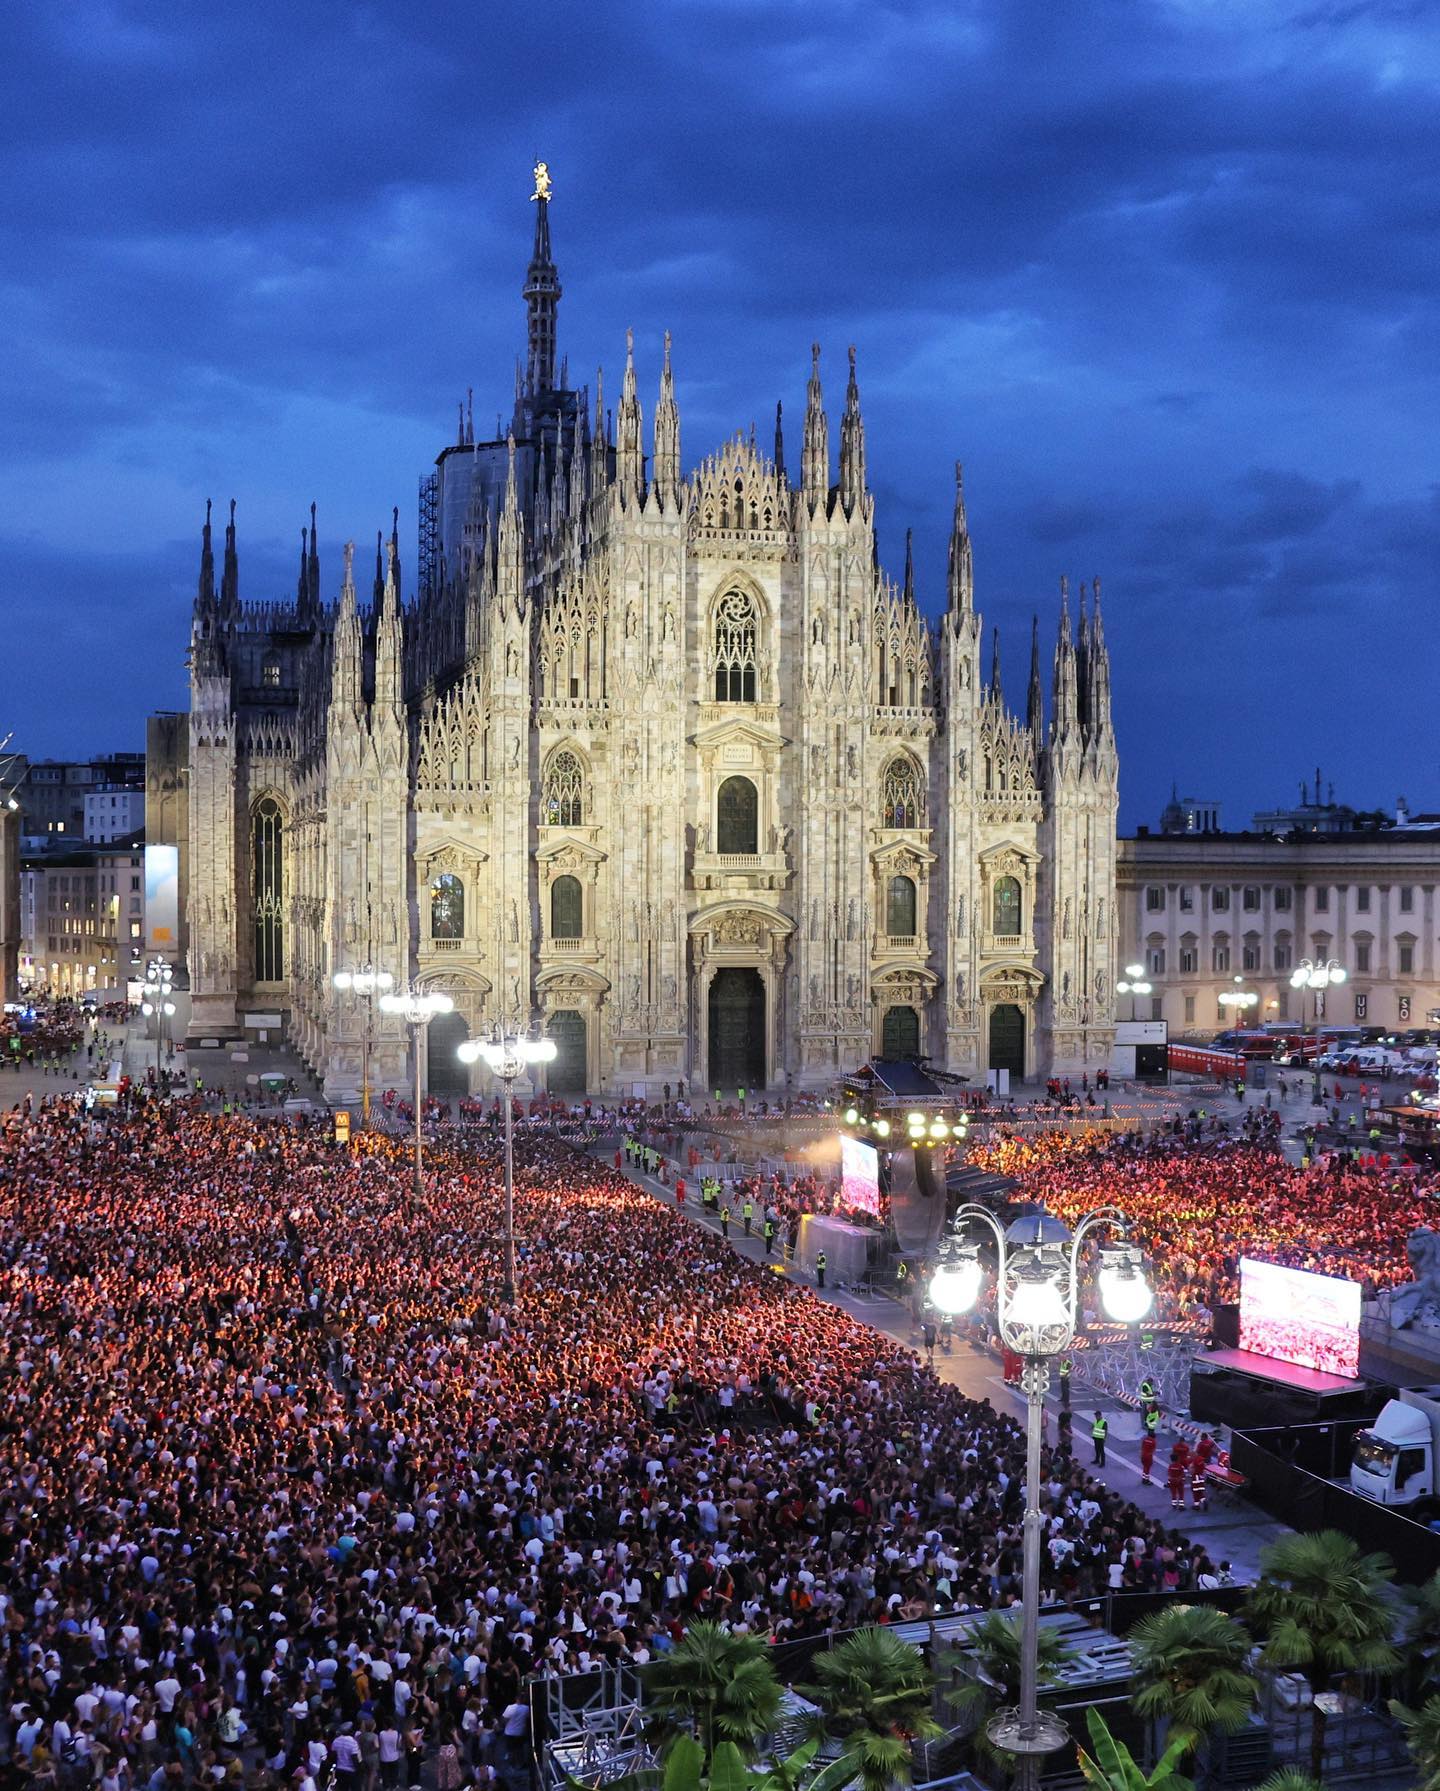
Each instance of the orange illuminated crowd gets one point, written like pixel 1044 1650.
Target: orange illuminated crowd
pixel 1198 1206
pixel 287 1494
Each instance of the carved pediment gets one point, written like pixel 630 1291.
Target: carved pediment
pixel 1008 857
pixel 573 979
pixel 567 851
pixel 906 856
pixel 734 925
pixel 448 854
pixel 1015 982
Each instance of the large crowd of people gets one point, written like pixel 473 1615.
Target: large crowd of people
pixel 285 1486
pixel 1200 1202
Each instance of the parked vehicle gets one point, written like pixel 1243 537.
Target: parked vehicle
pixel 1394 1459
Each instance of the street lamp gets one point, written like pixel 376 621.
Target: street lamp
pixel 1133 984
pixel 1237 1001
pixel 1037 1311
pixel 417 1008
pixel 157 1002
pixel 507 1055
pixel 1310 974
pixel 364 984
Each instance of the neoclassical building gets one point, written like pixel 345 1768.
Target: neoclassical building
pixel 656 759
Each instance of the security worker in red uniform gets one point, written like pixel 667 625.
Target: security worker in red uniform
pixel 1175 1474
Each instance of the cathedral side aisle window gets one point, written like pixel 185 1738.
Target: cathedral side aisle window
pixel 737 816
pixel 902 794
pixel 267 841
pixel 735 648
pixel 563 799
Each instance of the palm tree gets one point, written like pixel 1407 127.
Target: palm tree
pixel 874 1692
pixel 1325 1608
pixel 1188 1673
pixel 1422 1630
pixel 994 1646
pixel 715 1686
pixel 1112 1766
pixel 1422 1737
pixel 1289 1778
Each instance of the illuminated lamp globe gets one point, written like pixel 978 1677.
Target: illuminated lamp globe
pixel 939 1129
pixel 882 1128
pixel 851 1115
pixel 955 1286
pixel 916 1119
pixel 1037 1304
pixel 1127 1296
pixel 545 1051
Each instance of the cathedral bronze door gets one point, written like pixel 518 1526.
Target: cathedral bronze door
pixel 445 1074
pixel 737 1029
pixel 566 1074
pixel 1007 1038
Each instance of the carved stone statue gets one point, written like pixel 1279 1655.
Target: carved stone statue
pixel 514 921
pixel 1418 1302
pixel 702 837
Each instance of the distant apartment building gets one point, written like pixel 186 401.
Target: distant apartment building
pixel 82 918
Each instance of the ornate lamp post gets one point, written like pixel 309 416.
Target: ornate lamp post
pixel 364 983
pixel 507 1055
pixel 1037 1311
pixel 1134 985
pixel 417 1008
pixel 1237 1002
pixel 157 1003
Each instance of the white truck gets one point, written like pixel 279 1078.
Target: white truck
pixel 1396 1456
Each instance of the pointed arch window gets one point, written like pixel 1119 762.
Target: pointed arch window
pixel 1007 906
pixel 901 795
pixel 267 875
pixel 563 798
pixel 735 629
pixel 567 909
pixel 447 907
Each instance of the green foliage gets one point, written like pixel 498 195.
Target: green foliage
pixel 1324 1608
pixel 874 1692
pixel 1111 1766
pixel 1188 1671
pixel 716 1687
pixel 1422 1737
pixel 1422 1629
pixel 995 1646
pixel 1289 1778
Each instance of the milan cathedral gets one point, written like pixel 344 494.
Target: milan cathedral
pixel 660 762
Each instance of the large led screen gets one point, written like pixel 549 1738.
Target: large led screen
pixel 859 1176
pixel 1294 1316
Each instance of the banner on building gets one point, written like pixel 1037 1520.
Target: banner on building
pixel 162 898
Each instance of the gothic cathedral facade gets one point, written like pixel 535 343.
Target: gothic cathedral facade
pixel 660 763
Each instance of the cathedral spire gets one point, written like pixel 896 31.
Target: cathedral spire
pixel 345 664
pixel 852 446
pixel 779 439
pixel 1100 717
pixel 312 572
pixel 666 468
pixel 1035 695
pixel 378 590
pixel 389 640
pixel 629 454
pixel 205 595
pixel 996 688
pixel 815 454
pixel 1063 696
pixel 230 578
pixel 510 550
pixel 395 543
pixel 962 566
pixel 302 584
pixel 542 294
pixel 1082 664
pixel 909 566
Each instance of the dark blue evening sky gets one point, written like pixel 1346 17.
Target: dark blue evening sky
pixel 1161 272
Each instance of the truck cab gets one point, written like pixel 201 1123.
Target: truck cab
pixel 1394 1461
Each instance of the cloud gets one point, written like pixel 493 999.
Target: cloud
pixel 1163 277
